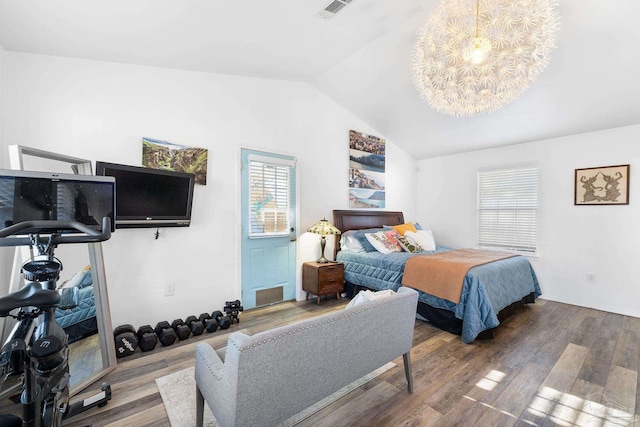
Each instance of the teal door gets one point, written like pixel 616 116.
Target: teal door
pixel 268 228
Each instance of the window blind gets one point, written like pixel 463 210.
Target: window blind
pixel 269 198
pixel 508 209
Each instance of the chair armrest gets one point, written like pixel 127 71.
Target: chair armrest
pixel 208 361
pixel 217 383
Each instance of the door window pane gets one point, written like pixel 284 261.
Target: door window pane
pixel 269 198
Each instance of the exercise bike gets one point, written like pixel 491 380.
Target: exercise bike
pixel 37 349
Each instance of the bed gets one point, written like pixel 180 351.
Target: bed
pixel 490 292
pixel 80 321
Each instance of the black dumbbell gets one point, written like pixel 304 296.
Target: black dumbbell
pixel 181 329
pixel 160 326
pixel 223 321
pixel 211 325
pixel 165 333
pixel 196 326
pixel 147 338
pixel 126 340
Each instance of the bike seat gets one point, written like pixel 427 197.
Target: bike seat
pixel 30 295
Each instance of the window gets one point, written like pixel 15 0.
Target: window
pixel 269 197
pixel 508 209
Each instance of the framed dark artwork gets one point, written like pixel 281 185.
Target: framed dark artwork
pixel 606 185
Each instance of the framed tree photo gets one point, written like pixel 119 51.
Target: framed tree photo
pixel 607 185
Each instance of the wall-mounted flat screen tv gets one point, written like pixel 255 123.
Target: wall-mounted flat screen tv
pixel 45 196
pixel 148 197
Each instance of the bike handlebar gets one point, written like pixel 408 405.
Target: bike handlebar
pixel 89 235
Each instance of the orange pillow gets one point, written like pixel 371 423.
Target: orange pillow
pixel 404 227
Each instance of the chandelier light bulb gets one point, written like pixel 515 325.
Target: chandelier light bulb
pixel 473 57
pixel 477 52
pixel 477 56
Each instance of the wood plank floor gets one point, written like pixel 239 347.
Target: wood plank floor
pixel 549 364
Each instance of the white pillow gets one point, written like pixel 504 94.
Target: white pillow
pixel 74 281
pixel 369 296
pixel 409 245
pixel 382 243
pixel 424 238
pixel 349 242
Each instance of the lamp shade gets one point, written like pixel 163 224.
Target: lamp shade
pixel 323 227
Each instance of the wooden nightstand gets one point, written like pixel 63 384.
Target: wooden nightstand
pixel 322 279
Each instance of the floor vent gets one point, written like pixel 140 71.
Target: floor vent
pixel 269 296
pixel 333 8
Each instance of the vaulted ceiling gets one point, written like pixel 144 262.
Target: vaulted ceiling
pixel 360 57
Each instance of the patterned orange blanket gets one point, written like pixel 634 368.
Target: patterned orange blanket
pixel 443 274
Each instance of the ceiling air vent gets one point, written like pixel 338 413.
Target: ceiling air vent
pixel 333 8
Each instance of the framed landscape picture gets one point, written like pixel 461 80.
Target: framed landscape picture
pixel 606 185
pixel 157 154
pixel 366 171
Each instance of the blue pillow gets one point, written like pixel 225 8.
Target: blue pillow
pixel 360 235
pixel 86 280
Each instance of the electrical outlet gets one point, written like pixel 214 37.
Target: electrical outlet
pixel 169 289
pixel 591 278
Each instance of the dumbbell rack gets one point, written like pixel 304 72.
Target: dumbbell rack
pixel 233 309
pixel 127 339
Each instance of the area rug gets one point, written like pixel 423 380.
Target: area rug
pixel 178 391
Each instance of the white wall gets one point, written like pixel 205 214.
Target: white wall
pixel 573 240
pixel 5 253
pixel 100 111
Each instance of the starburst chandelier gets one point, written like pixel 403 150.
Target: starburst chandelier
pixel 473 56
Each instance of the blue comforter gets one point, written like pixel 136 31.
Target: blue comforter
pixel 487 288
pixel 86 309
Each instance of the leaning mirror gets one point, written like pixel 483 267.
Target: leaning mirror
pixel 91 349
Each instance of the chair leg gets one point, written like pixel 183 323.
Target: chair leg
pixel 407 371
pixel 199 408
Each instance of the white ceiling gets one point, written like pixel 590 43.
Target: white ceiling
pixel 360 58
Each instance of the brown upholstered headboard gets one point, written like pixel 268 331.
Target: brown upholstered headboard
pixel 357 220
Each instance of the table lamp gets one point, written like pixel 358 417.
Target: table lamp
pixel 323 228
